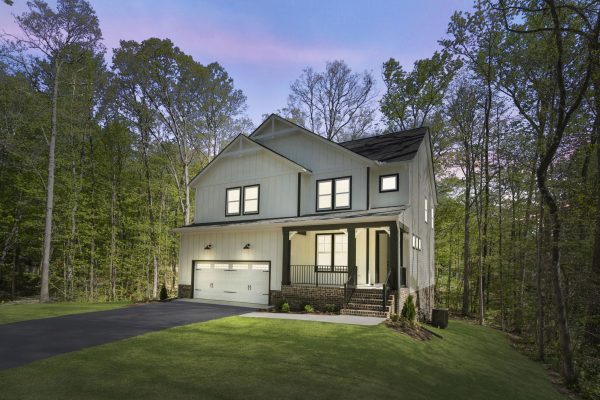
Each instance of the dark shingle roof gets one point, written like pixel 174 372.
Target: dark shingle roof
pixel 397 146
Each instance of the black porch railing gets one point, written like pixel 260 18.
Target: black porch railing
pixel 350 285
pixel 319 275
pixel 386 287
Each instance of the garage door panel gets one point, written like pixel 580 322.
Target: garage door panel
pixel 238 281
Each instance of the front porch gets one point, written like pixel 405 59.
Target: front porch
pixel 357 267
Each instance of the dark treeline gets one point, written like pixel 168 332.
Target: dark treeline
pixel 95 161
pixel 512 99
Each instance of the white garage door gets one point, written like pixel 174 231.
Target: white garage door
pixel 239 281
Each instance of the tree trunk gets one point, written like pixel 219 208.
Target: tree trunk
pixel 540 333
pixel 44 292
pixel 466 244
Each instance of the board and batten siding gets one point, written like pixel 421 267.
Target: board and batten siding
pixel 278 182
pixel 389 199
pixel 325 161
pixel 265 245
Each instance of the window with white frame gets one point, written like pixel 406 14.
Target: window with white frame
pixel 432 217
pixel 251 197
pixel 334 194
pixel 233 201
pixel 426 211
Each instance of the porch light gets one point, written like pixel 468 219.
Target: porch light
pixel 247 246
pixel 208 247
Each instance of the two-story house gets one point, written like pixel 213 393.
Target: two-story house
pixel 285 214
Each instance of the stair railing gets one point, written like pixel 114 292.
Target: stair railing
pixel 386 287
pixel 350 285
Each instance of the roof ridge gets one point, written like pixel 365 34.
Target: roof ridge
pixel 385 134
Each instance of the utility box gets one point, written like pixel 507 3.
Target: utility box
pixel 439 318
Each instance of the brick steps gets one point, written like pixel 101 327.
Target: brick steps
pixel 367 303
pixel 364 313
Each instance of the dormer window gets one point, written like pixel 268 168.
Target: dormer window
pixel 232 201
pixel 388 183
pixel 334 194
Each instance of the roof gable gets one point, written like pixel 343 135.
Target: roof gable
pixel 240 146
pixel 277 126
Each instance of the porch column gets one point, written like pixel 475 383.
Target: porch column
pixel 285 264
pixel 394 254
pixel 351 249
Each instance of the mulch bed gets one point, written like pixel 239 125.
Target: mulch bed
pixel 417 332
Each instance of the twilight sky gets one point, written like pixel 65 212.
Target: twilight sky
pixel 265 44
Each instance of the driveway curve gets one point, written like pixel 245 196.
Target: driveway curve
pixel 28 341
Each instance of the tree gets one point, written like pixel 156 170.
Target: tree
pixel 55 34
pixel 412 97
pixel 547 85
pixel 335 103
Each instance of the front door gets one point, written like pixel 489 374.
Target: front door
pixel 382 243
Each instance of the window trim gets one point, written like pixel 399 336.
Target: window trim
pixel 396 175
pixel 239 212
pixel 333 194
pixel 332 261
pixel 243 196
pixel 426 207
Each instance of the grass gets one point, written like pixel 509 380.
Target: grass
pixel 23 312
pixel 254 358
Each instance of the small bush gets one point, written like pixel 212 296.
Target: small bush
pixel 309 309
pixel 394 317
pixel 164 295
pixel 408 310
pixel 330 308
pixel 285 307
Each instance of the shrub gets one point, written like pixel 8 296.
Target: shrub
pixel 394 317
pixel 330 308
pixel 285 307
pixel 309 309
pixel 408 310
pixel 164 295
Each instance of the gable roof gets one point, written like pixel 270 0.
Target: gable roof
pixel 391 147
pixel 302 129
pixel 242 138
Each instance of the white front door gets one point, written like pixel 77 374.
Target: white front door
pixel 237 281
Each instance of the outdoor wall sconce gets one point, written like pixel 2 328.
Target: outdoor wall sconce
pixel 208 247
pixel 247 246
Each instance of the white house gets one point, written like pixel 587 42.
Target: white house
pixel 286 214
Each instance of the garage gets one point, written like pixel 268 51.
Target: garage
pixel 235 281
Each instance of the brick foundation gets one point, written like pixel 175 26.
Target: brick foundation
pixel 423 299
pixel 317 296
pixel 184 291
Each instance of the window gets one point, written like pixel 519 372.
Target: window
pixel 251 195
pixel 334 194
pixel 426 211
pixel 431 217
pixel 388 183
pixel 332 251
pixel 232 206
pixel 416 242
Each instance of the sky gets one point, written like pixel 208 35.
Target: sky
pixel 265 44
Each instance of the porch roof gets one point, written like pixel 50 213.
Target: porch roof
pixel 374 215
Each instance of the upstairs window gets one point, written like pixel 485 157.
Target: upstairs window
pixel 431 217
pixel 251 196
pixel 388 183
pixel 426 212
pixel 416 242
pixel 232 201
pixel 334 194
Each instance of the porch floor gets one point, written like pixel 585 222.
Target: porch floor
pixel 334 319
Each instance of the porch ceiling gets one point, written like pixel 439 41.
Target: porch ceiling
pixel 373 215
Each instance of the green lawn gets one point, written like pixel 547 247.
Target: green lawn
pixel 22 312
pixel 250 358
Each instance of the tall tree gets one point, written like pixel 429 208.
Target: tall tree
pixel 336 103
pixel 55 34
pixel 412 97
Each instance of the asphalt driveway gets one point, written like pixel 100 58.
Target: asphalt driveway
pixel 28 341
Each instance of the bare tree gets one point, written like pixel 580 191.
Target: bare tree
pixel 335 103
pixel 72 29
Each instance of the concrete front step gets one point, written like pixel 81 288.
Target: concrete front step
pixel 363 313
